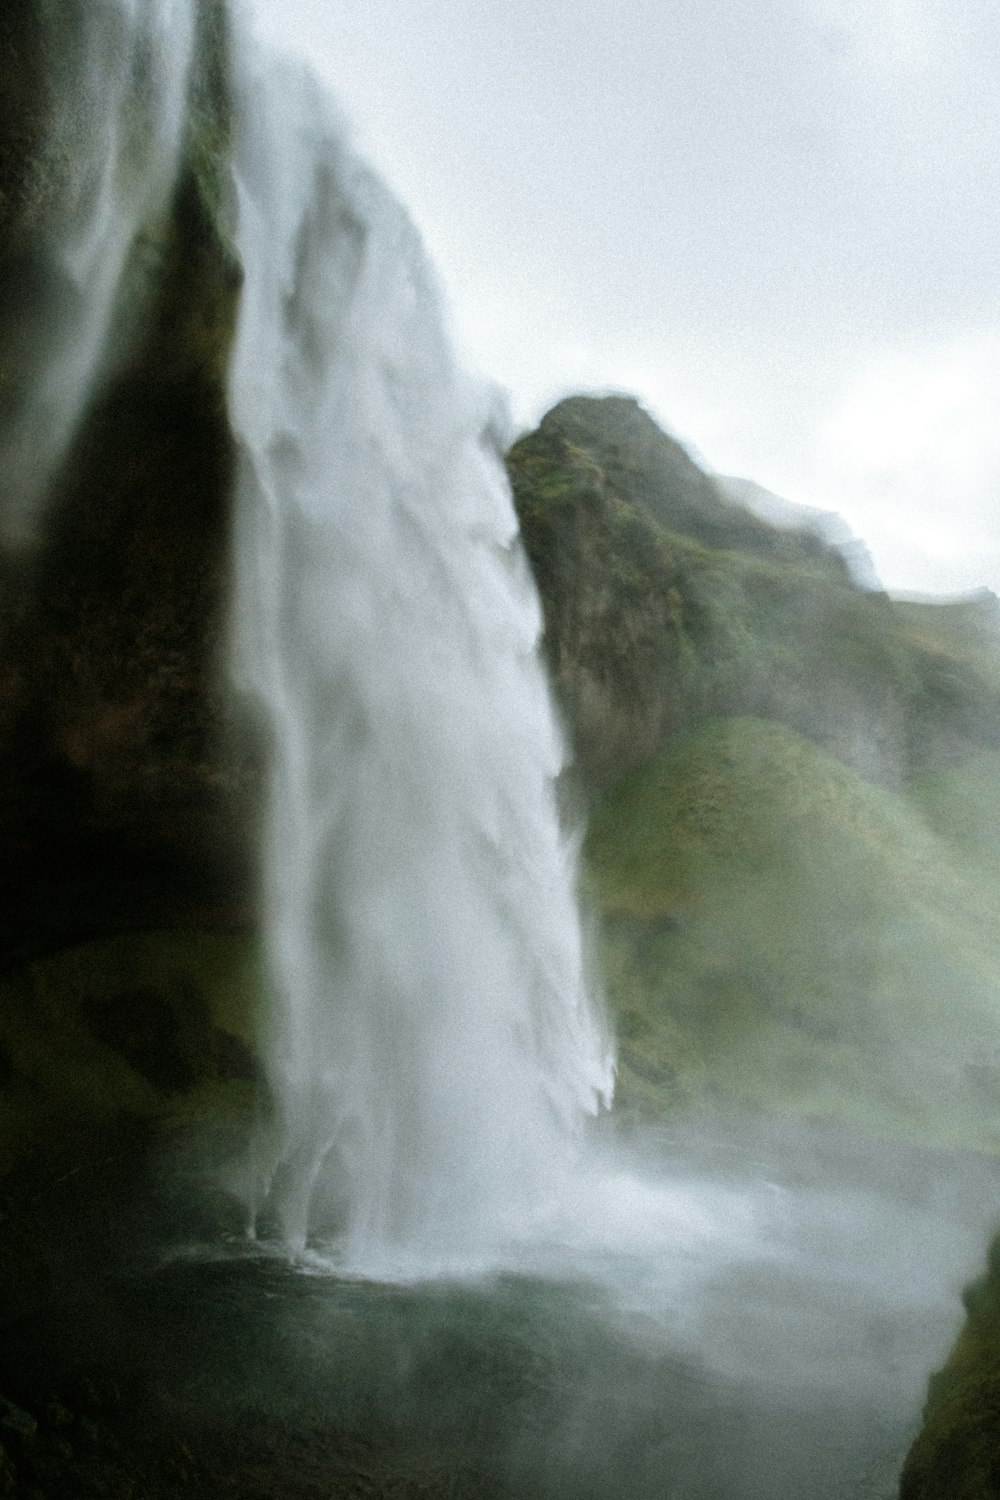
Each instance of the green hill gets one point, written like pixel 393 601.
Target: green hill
pixel 794 848
pixel 782 936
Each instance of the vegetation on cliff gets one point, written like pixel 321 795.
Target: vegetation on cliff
pixel 667 605
pixel 794 845
pixel 118 769
pixel 784 937
pixel 957 1455
pixel 124 1026
pixel 128 977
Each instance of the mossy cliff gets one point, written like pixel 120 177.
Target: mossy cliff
pixel 668 605
pixel 794 842
pixel 783 937
pixel 127 961
pixel 793 846
pixel 957 1455
pixel 119 777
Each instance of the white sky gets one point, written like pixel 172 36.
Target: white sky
pixel 776 221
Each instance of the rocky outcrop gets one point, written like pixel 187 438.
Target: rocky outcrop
pixel 957 1454
pixel 123 788
pixel 128 975
pixel 667 605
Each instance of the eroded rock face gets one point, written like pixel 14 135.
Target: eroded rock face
pixel 611 611
pixel 667 605
pixel 955 1456
pixel 124 791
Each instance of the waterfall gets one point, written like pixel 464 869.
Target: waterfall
pixel 434 1044
pixel 111 154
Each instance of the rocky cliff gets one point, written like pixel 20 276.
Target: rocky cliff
pixel 957 1454
pixel 119 772
pixel 127 787
pixel 668 605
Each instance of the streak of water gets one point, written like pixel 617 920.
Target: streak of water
pixel 110 153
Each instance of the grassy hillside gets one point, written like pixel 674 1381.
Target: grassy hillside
pixel 795 837
pixel 782 936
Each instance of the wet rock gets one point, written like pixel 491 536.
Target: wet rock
pixel 8 1473
pixel 124 790
pixel 141 1026
pixel 58 1418
pixel 234 1060
pixel 18 1428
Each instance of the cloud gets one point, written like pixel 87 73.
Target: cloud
pixel 889 37
pixel 777 221
pixel 898 39
pixel 911 455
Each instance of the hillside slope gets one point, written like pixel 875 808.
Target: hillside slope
pixel 782 936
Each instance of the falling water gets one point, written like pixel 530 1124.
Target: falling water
pixel 434 1046
pixel 110 157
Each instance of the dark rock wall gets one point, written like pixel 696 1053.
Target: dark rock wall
pixel 957 1454
pixel 124 786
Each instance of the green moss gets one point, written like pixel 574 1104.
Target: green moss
pixel 960 804
pixel 666 605
pixel 782 936
pixel 150 1025
pixel 957 1454
pixel 124 789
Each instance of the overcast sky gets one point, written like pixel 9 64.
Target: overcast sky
pixel 775 221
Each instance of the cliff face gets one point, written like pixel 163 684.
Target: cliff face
pixel 667 605
pixel 791 842
pixel 957 1454
pixel 120 780
pixel 128 975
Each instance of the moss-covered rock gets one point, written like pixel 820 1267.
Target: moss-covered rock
pixel 667 605
pixel 784 937
pixel 957 1454
pixel 130 1082
pixel 154 1026
pixel 124 793
pixel 794 846
pixel 128 981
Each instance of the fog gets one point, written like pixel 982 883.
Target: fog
pixel 727 1311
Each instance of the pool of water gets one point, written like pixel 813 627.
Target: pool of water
pixel 715 1315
